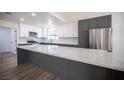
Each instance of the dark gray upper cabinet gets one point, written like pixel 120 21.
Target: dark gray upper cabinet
pixel 100 22
pixel 105 21
pixel 94 23
pixel 83 33
pixel 83 25
pixel 83 28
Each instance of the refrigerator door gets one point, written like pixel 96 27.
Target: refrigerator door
pixel 100 39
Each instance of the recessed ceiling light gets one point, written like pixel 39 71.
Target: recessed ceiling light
pixel 33 14
pixel 21 19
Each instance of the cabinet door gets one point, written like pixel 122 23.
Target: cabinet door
pixel 94 23
pixel 83 42
pixel 74 29
pixel 83 33
pixel 65 30
pixel 105 21
pixel 39 31
pixel 60 31
pixel 23 30
pixel 21 34
pixel 83 25
pixel 75 32
pixel 28 29
pixel 69 31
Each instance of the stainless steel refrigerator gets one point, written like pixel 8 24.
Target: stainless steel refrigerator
pixel 100 38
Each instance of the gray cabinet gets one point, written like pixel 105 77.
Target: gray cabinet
pixel 83 33
pixel 94 23
pixel 83 42
pixel 100 22
pixel 83 24
pixel 105 21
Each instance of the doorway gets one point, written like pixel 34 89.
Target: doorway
pixel 8 40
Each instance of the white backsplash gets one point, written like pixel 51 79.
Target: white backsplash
pixel 64 40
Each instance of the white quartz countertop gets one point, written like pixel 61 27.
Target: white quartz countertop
pixel 90 56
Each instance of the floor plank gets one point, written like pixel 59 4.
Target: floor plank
pixel 10 71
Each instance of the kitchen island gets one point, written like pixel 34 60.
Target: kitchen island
pixel 71 62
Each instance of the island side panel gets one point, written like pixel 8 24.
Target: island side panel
pixel 55 65
pixel 22 56
pixel 82 71
pixel 68 69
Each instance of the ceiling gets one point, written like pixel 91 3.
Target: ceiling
pixel 74 16
pixel 57 18
pixel 40 18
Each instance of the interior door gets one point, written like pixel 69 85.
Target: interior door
pixel 5 39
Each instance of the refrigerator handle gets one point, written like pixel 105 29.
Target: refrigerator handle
pixel 110 41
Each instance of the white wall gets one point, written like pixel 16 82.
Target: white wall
pixel 118 36
pixel 67 16
pixel 13 40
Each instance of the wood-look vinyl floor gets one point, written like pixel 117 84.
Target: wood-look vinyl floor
pixel 10 71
